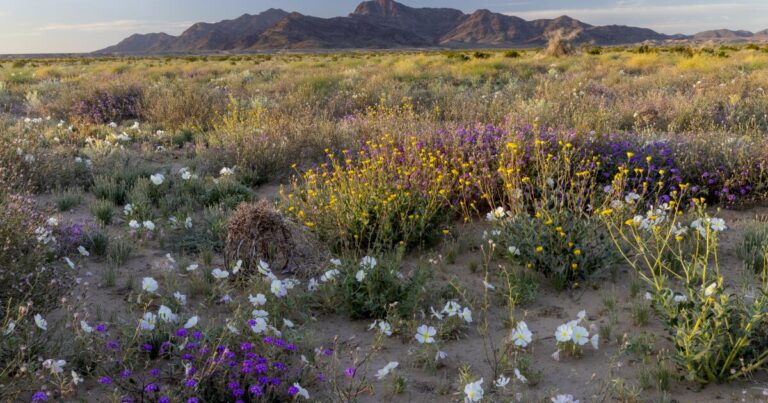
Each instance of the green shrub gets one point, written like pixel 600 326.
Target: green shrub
pixel 109 188
pixel 103 211
pixel 753 248
pixel 67 200
pixel 383 289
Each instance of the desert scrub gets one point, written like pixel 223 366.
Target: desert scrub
pixel 104 105
pixel 552 189
pixel 182 104
pixel 372 288
pixel 718 334
pixel 389 194
pixel 27 244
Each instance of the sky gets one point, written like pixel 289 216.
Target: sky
pixel 63 26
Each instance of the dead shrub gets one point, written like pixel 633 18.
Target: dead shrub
pixel 256 231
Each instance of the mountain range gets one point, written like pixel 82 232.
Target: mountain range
pixel 388 24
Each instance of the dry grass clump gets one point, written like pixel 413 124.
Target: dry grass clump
pixel 559 44
pixel 256 231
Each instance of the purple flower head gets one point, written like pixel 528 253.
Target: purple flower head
pixel 256 390
pixel 292 391
pixel 39 397
pixel 154 372
pixel 151 388
pixel 146 347
pixel 105 380
pixel 164 399
pixel 246 346
pixel 190 383
pixel 113 345
pixel 125 373
pixel 101 328
pixel 350 372
pixel 181 332
pixel 197 335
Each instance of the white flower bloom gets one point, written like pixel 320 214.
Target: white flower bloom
pixel 260 313
pixel 451 308
pixel 581 315
pixel 466 314
pixel 181 298
pixel 10 328
pixel 219 274
pixel 503 381
pixel 426 334
pixel 360 276
pixel 336 262
pixel 76 379
pixel 436 314
pixel 191 322
pixel 149 284
pixel 301 391
pixel 556 355
pixel 258 300
pixel 717 224
pixel 226 171
pixel 595 340
pixel 260 326
pixel 497 214
pixel 313 285
pixel 52 222
pixel 193 267
pixel 233 329
pixel 368 263
pixel 520 377
pixel 288 323
pixel 330 275
pixel 148 321
pixel 166 314
pixel 648 296
pixel 86 327
pixel 385 328
pixel 188 222
pixel 513 250
pixel 380 374
pixel 474 391
pixel 564 333
pixel 278 288
pixel 134 225
pixel 149 225
pixel 157 179
pixel 83 251
pixel 564 399
pixel 69 262
pixel 679 298
pixel 580 335
pixel 710 289
pixel 40 322
pixel 56 366
pixel 238 266
pixel 521 336
pixel 488 285
pixel 440 355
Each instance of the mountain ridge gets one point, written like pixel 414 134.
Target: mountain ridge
pixel 385 24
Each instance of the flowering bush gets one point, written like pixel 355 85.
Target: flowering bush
pixel 717 336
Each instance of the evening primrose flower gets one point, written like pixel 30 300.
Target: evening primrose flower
pixel 219 274
pixel 564 333
pixel 191 322
pixel 380 374
pixel 83 251
pixel 299 391
pixel 193 267
pixel 595 340
pixel 259 325
pixel 134 225
pixel 166 314
pixel 55 366
pixel 149 225
pixel 502 382
pixel 564 399
pixel 440 355
pixel 521 336
pixel 181 298
pixel 86 327
pixel 226 171
pixel 497 214
pixel 278 288
pixel 258 300
pixel 520 377
pixel 149 284
pixel 514 251
pixel 710 289
pixel 466 314
pixel 336 262
pixel 360 276
pixel 717 224
pixel 426 334
pixel 368 262
pixel 148 321
pixel 40 322
pixel 157 179
pixel 580 335
pixel 474 391
pixel 451 308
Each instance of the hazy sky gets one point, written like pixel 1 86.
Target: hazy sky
pixel 45 26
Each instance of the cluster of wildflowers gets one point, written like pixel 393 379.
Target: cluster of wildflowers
pixel 572 336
